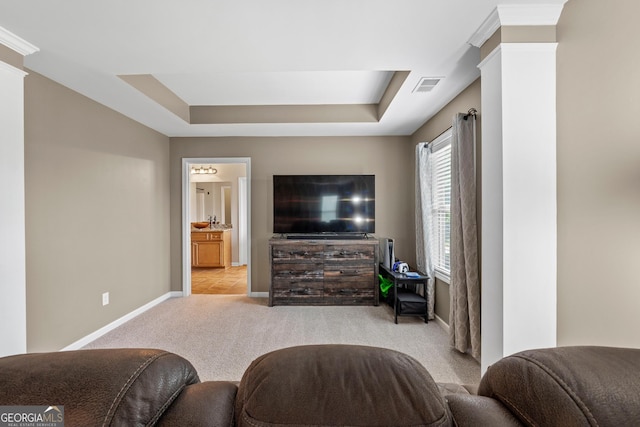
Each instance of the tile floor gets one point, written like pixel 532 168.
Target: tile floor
pixel 225 281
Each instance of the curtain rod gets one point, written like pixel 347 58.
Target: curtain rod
pixel 472 112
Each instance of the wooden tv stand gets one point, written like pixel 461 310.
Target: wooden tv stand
pixel 323 272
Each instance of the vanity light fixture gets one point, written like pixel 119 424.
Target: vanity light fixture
pixel 202 170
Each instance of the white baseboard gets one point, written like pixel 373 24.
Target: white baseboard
pixel 442 323
pixel 111 326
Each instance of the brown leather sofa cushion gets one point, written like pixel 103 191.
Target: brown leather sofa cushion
pixel 469 410
pixel 337 385
pixel 209 403
pixel 568 386
pixel 125 387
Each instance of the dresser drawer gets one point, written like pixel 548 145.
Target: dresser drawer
pixel 359 274
pixel 285 253
pixel 292 270
pixel 343 295
pixel 345 253
pixel 289 283
pixel 297 291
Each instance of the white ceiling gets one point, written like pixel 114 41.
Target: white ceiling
pixel 257 52
pixel 278 88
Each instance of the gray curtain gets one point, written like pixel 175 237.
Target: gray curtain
pixel 423 222
pixel 464 315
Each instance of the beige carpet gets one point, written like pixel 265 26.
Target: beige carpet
pixel 222 334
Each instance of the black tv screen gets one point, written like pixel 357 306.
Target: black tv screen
pixel 324 203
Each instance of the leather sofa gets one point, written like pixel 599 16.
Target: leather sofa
pixel 328 385
pixel 117 387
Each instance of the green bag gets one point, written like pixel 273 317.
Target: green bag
pixel 385 285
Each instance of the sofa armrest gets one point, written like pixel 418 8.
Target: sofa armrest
pixel 210 403
pixel 472 411
pixel 98 387
pixel 568 385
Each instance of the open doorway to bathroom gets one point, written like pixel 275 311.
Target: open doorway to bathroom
pixel 216 226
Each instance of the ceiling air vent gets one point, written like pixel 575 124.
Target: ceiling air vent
pixel 426 84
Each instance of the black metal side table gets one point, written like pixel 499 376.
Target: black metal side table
pixel 405 299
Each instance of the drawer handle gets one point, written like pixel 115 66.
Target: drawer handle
pixel 345 253
pixel 300 291
pixel 350 273
pixel 348 291
pixel 302 253
pixel 296 273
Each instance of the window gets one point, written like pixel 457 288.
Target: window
pixel 441 206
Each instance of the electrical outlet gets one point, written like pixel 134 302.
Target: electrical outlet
pixel 105 298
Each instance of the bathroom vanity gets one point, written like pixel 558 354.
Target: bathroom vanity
pixel 211 247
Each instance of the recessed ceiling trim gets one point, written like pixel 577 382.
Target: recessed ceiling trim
pixel 154 89
pixel 271 87
pixel 391 91
pixel 260 114
pixel 339 113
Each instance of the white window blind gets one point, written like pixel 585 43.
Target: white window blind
pixel 441 205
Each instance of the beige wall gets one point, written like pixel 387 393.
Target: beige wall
pixel 598 173
pixel 389 158
pixel 469 98
pixel 97 213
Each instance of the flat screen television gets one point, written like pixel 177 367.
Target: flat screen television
pixel 316 204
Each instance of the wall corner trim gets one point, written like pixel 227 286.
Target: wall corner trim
pixel 16 43
pixel 486 29
pixel 512 14
pixel 12 69
pixel 530 14
pixel 111 326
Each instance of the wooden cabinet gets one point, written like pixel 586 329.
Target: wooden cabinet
pixel 211 248
pixel 329 272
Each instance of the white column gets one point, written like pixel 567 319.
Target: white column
pixel 492 250
pixel 519 231
pixel 519 199
pixel 13 312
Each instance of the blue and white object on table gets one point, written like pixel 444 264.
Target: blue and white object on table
pixel 400 267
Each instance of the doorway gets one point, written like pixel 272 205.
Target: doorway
pixel 217 190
